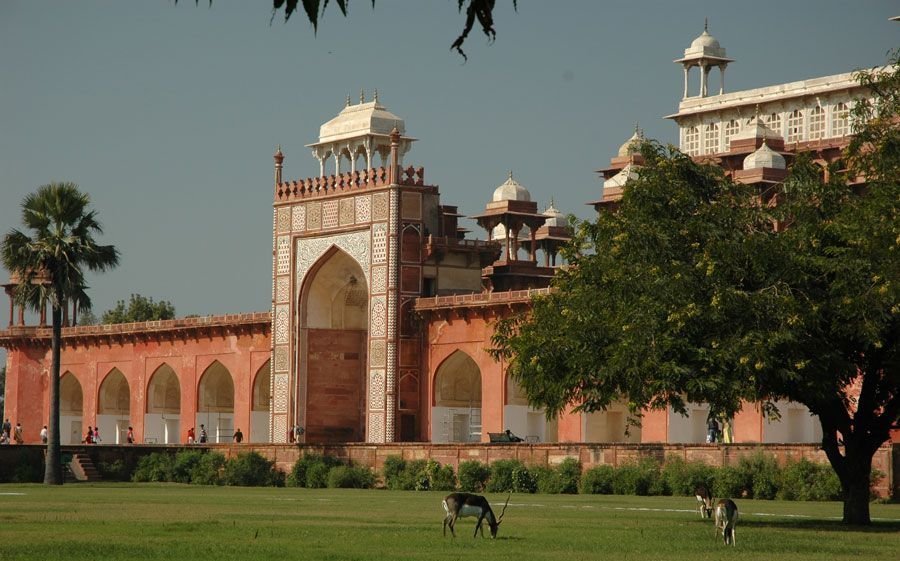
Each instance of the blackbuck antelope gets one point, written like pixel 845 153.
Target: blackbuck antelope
pixel 726 518
pixel 458 505
pixel 704 501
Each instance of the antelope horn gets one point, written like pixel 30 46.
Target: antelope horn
pixel 504 507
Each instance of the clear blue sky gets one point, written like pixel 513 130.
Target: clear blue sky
pixel 168 115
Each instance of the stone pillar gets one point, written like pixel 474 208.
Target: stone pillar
pixel 704 77
pixel 533 253
pixel 12 305
pixel 721 79
pixel 686 72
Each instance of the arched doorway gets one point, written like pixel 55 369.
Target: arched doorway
pixel 215 407
pixel 114 408
pixel 71 403
pixel 525 421
pixel 259 407
pixel 334 321
pixel 610 425
pixel 162 420
pixel 456 415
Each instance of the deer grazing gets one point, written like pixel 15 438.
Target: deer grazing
pixel 704 501
pixel 458 505
pixel 726 518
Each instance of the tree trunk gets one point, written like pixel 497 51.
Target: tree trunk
pixel 856 500
pixel 53 474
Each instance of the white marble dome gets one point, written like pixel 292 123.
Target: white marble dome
pixel 705 40
pixel 631 146
pixel 555 217
pixel 511 190
pixel 363 119
pixel 764 157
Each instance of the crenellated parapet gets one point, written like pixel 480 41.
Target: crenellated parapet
pixel 345 183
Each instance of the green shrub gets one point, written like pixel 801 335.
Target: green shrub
pixel 185 463
pixel 208 471
pixel 501 478
pixel 473 476
pixel 350 477
pixel 569 475
pixel 523 481
pixel 598 480
pixel 392 470
pixel 117 470
pixel 250 469
pixel 682 478
pixel 730 482
pixel 317 475
pixel 761 471
pixel 440 478
pixel 546 479
pixel 300 472
pixel 637 478
pixel 29 472
pixel 156 467
pixel 804 480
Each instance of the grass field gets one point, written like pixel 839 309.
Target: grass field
pixel 172 522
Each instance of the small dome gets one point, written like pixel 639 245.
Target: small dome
pixel 626 174
pixel 511 190
pixel 705 40
pixel 764 157
pixel 555 217
pixel 632 146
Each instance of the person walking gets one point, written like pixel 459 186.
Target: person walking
pixel 202 434
pixel 89 435
pixel 190 435
pixel 44 435
pixel 96 435
pixel 7 429
pixel 129 436
pixel 18 435
pixel 712 429
pixel 238 436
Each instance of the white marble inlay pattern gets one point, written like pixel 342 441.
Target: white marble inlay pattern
pixel 378 325
pixel 379 243
pixel 284 219
pixel 363 209
pixel 284 255
pixel 280 397
pixel 298 219
pixel 376 390
pixel 379 280
pixel 309 250
pixel 281 324
pixel 282 289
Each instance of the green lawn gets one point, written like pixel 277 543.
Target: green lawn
pixel 169 522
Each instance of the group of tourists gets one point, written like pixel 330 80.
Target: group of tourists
pixel 10 435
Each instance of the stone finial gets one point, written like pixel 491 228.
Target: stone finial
pixel 510 176
pixel 348 100
pixel 362 96
pixel 279 156
pixel 706 24
pixel 375 98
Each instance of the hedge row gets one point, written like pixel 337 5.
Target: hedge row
pixel 206 468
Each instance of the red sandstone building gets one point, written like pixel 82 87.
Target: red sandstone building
pixel 382 309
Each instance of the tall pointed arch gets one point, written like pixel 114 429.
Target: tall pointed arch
pixel 114 407
pixel 456 413
pixel 162 418
pixel 260 404
pixel 215 402
pixel 334 319
pixel 71 408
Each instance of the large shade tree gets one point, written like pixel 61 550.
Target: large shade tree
pixel 49 262
pixel 689 293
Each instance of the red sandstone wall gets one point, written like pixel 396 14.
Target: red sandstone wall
pixel 336 385
pixel 137 358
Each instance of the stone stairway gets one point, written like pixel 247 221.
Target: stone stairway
pixel 83 469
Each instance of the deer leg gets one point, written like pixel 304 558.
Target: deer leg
pixel 478 526
pixel 452 523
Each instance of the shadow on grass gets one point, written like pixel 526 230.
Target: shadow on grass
pixel 877 527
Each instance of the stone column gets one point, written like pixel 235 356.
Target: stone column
pixel 686 72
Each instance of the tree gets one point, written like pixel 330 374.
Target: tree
pixel 481 10
pixel 689 294
pixel 139 308
pixel 50 265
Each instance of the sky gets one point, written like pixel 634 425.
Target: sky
pixel 168 114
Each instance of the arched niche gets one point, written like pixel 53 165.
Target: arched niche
pixel 260 405
pixel 456 414
pixel 334 321
pixel 523 420
pixel 113 407
pixel 215 403
pixel 71 407
pixel 335 295
pixel 610 425
pixel 162 419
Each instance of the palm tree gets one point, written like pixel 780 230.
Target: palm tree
pixel 49 268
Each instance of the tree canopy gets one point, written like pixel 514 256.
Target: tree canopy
pixel 690 293
pixel 139 308
pixel 480 10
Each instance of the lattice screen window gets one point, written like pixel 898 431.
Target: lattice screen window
pixel 840 120
pixel 795 126
pixel 732 127
pixel 773 121
pixel 817 123
pixel 711 139
pixel 692 141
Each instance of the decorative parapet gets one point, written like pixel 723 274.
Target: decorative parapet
pixel 259 322
pixel 330 185
pixel 479 299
